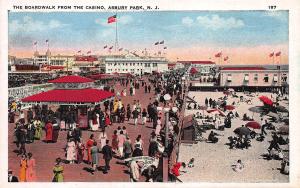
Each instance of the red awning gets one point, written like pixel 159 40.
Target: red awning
pixel 71 79
pixel 70 96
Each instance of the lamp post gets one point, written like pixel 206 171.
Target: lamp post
pixel 167 98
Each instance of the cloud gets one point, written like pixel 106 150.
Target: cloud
pixel 215 22
pixel 187 21
pixel 279 15
pixel 28 25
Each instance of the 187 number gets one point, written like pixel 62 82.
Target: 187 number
pixel 272 7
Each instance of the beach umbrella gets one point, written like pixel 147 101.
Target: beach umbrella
pixel 226 92
pixel 266 100
pixel 229 107
pixel 256 109
pixel 273 115
pixel 193 70
pixel 253 125
pixel 283 130
pixel 281 109
pixel 216 111
pixel 230 90
pixel 242 131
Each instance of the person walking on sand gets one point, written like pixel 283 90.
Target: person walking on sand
pixel 30 171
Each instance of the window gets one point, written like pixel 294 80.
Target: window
pixel 266 78
pixel 130 64
pixel 284 78
pixel 255 77
pixel 275 78
pixel 246 77
pixel 229 79
pixel 154 64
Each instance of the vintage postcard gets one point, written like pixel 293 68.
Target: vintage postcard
pixel 149 92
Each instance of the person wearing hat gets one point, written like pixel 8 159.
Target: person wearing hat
pixel 11 177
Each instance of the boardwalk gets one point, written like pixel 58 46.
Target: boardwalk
pixel 45 154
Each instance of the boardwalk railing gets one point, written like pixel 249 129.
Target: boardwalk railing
pixel 177 142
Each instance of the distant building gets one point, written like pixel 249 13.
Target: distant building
pixel 253 76
pixel 134 64
pixel 203 67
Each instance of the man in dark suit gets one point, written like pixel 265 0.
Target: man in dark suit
pixel 11 177
pixel 107 156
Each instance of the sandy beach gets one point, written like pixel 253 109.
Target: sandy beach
pixel 213 161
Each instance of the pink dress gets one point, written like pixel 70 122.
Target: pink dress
pixel 30 171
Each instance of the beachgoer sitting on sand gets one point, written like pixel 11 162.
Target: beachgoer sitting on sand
pixel 212 137
pixel 232 142
pixel 238 167
pixel 177 168
pixel 191 163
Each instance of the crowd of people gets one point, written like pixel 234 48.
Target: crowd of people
pixel 42 122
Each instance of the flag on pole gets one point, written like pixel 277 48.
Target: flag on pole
pixel 112 19
pixel 47 41
pixel 88 52
pixel 35 43
pixel 226 58
pixel 271 54
pixel 111 47
pixel 79 51
pixel 120 49
pixel 105 46
pixel 156 43
pixel 162 42
pixel 165 47
pixel 278 53
pixel 218 54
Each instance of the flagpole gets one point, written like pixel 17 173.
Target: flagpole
pixel 116 40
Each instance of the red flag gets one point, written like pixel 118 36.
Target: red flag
pixel 226 58
pixel 88 52
pixel 120 49
pixel 112 19
pixel 218 54
pixel 278 54
pixel 162 42
pixel 47 41
pixel 35 43
pixel 105 46
pixel 111 47
pixel 271 54
pixel 156 43
pixel 165 47
pixel 79 51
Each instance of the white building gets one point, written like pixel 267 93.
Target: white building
pixel 253 76
pixel 135 64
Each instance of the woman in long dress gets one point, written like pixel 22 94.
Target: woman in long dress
pixel 38 129
pixel 89 144
pixel 94 154
pixel 114 142
pixel 23 165
pixel 30 171
pixel 71 151
pixel 49 132
pixel 102 138
pixel 95 125
pixel 80 151
pixel 58 171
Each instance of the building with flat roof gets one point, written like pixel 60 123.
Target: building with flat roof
pixel 134 64
pixel 253 76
